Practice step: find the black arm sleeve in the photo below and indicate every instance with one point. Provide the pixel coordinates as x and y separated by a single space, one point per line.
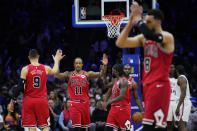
148 33
18 89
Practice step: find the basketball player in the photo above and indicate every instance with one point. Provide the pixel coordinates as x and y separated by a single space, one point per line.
173 98
183 103
78 88
127 70
120 112
35 111
158 51
132 83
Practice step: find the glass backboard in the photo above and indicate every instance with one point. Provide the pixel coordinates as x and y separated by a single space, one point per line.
88 13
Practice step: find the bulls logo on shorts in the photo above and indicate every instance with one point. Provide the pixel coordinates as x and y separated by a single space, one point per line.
128 125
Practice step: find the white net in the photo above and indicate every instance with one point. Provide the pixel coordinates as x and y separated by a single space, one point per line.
113 23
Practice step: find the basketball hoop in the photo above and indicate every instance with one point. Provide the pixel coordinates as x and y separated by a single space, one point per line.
113 23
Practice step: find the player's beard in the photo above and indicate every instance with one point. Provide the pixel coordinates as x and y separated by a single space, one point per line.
127 75
78 69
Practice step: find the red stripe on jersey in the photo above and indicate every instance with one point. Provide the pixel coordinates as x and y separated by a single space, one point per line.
182 111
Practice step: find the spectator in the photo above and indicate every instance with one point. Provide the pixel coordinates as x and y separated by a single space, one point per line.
18 109
57 100
98 94
99 116
27 24
4 98
54 115
92 105
192 123
1 122
52 96
193 87
64 118
11 121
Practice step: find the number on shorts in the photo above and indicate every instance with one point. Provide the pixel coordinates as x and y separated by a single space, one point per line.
36 82
147 61
78 90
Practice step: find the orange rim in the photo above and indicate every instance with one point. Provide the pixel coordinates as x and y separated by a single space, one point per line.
114 19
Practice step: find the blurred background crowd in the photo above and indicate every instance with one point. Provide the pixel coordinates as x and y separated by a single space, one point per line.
47 25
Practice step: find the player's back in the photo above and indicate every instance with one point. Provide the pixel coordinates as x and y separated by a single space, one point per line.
36 81
78 87
156 62
116 92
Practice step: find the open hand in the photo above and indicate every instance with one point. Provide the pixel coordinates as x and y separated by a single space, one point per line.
136 12
66 128
58 56
105 59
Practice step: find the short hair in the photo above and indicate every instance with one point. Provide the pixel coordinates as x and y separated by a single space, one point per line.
78 58
119 68
180 69
33 53
158 14
127 65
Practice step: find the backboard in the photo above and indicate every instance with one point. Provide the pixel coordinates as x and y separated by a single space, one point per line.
88 13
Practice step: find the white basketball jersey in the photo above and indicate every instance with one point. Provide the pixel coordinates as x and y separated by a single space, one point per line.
173 84
178 89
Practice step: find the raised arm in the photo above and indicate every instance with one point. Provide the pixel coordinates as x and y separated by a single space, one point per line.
124 41
168 42
135 95
106 85
108 94
55 69
164 38
110 84
62 76
24 72
92 74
